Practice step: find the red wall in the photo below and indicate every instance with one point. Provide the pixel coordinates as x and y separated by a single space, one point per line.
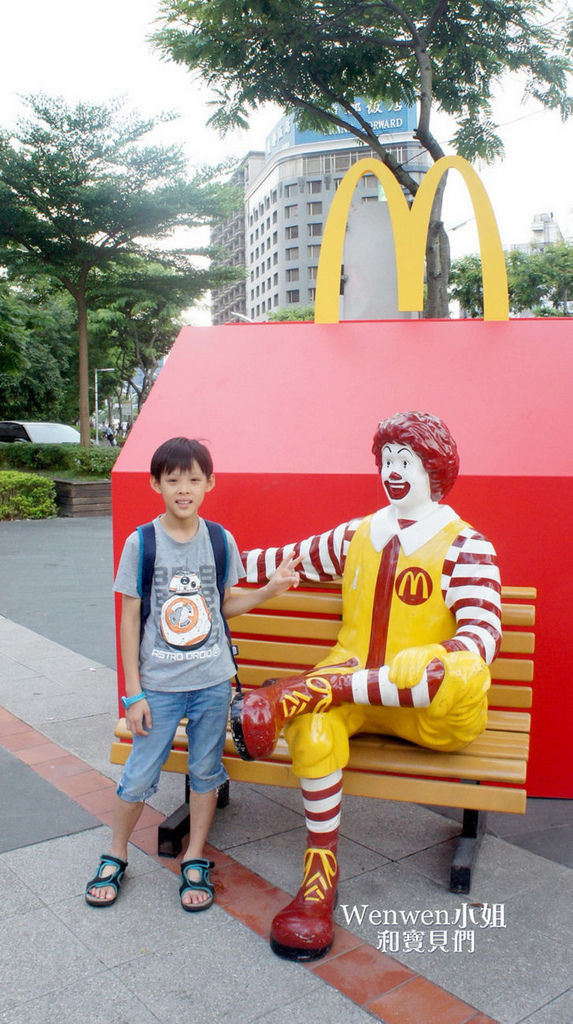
289 412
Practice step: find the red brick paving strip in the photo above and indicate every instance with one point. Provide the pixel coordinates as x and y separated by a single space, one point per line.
370 978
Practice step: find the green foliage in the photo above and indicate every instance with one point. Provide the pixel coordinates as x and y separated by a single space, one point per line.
310 57
26 496
81 189
540 282
70 459
298 313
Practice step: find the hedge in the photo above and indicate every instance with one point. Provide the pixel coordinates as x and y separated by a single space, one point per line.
26 496
64 458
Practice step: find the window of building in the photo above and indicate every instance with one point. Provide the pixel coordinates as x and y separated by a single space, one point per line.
313 164
292 253
312 272
275 258
275 215
291 231
275 300
275 279
292 274
315 230
341 161
312 294
314 186
313 252
291 189
291 211
314 209
275 237
369 181
293 295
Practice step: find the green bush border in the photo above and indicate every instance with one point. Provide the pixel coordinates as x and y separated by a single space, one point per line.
26 496
68 459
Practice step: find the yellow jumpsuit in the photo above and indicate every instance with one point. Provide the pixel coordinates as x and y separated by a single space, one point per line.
392 601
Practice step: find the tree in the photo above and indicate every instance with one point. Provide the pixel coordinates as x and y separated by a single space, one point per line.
316 57
137 313
540 282
36 333
80 190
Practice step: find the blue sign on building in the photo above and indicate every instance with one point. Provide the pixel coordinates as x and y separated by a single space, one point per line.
383 120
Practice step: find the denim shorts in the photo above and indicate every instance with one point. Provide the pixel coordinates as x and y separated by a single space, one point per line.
206 711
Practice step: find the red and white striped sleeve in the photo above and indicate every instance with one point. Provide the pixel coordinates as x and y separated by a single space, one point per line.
471 588
323 556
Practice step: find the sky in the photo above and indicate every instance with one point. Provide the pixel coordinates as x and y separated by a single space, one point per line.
96 52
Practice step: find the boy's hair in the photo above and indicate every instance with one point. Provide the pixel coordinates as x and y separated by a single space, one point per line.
180 453
430 439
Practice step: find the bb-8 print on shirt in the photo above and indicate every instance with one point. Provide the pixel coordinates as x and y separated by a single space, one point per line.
185 619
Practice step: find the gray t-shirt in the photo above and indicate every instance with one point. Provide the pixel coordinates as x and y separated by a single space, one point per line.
184 645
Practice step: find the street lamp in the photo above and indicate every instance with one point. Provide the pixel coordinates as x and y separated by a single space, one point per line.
100 369
241 316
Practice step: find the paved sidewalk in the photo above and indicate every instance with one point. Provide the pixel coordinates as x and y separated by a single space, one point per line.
504 955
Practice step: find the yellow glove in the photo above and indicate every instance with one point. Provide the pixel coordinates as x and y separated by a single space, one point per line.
407 667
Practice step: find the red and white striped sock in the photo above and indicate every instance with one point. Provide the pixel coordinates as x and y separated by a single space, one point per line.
372 686
322 799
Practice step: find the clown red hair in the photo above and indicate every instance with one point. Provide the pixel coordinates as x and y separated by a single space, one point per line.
430 439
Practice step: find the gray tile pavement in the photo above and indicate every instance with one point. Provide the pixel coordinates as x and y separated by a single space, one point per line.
121 965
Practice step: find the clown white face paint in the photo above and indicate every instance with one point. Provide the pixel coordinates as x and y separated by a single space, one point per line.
405 481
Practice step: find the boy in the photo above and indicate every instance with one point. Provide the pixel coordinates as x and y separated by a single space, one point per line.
180 667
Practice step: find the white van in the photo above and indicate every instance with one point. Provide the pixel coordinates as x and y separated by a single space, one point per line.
38 433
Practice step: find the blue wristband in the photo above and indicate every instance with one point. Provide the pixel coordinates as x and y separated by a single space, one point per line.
128 701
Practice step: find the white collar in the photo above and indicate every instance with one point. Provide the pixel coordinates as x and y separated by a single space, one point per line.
384 525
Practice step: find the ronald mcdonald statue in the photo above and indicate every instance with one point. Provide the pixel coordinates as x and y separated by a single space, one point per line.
420 624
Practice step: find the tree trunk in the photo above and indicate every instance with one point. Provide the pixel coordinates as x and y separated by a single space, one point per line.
437 261
83 366
437 271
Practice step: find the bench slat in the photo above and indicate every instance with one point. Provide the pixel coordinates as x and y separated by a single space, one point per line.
297 627
501 696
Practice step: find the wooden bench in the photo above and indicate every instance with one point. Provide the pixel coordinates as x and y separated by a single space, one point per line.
291 633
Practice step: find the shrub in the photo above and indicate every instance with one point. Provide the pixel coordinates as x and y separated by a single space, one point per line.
63 458
26 496
92 461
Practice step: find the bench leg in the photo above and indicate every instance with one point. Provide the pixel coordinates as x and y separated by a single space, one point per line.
464 858
172 832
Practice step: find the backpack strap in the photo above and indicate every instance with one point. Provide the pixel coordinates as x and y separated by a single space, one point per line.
220 545
145 569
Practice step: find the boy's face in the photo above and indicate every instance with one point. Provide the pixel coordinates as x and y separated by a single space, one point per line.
405 479
183 491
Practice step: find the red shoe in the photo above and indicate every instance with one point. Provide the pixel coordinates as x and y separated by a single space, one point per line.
257 719
304 930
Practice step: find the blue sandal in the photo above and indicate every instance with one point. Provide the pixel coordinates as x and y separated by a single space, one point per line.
202 884
100 881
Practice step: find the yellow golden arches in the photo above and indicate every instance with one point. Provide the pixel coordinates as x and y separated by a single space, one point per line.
410 228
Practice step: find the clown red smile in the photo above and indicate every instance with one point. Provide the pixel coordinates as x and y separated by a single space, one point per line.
405 479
